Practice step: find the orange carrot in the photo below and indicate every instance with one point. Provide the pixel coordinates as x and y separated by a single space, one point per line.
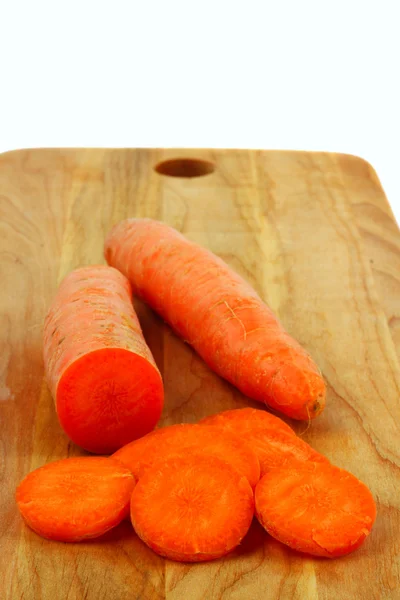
192 510
279 448
315 508
274 442
271 439
107 388
167 442
75 498
219 314
243 421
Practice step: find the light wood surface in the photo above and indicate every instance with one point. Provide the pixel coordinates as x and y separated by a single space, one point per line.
314 234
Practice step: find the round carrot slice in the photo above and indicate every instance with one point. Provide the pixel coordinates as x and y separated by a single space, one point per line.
192 509
315 508
242 421
279 449
75 498
272 440
184 439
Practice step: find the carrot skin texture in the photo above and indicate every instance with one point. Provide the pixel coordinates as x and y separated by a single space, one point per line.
102 375
316 508
219 314
167 442
74 499
192 509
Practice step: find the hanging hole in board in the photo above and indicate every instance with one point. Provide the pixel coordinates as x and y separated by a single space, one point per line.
185 167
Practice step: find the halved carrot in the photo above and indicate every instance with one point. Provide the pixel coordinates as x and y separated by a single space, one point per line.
189 439
192 509
315 508
242 421
107 388
219 314
75 498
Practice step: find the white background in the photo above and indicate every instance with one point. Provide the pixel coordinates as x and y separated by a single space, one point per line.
315 75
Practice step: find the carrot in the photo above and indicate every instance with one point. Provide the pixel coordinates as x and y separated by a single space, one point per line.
107 388
274 443
192 510
243 421
167 442
219 314
278 449
75 498
315 508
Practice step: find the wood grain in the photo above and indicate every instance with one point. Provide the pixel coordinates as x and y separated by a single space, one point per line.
315 235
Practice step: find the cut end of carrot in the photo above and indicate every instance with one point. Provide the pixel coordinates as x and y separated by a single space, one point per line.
74 499
192 510
109 397
315 508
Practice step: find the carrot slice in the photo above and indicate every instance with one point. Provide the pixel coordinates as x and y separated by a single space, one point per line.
166 442
243 421
192 509
272 440
279 448
107 388
315 508
75 498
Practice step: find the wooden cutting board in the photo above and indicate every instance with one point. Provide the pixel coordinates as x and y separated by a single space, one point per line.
314 234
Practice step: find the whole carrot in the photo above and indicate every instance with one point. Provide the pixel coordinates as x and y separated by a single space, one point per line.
107 388
219 314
